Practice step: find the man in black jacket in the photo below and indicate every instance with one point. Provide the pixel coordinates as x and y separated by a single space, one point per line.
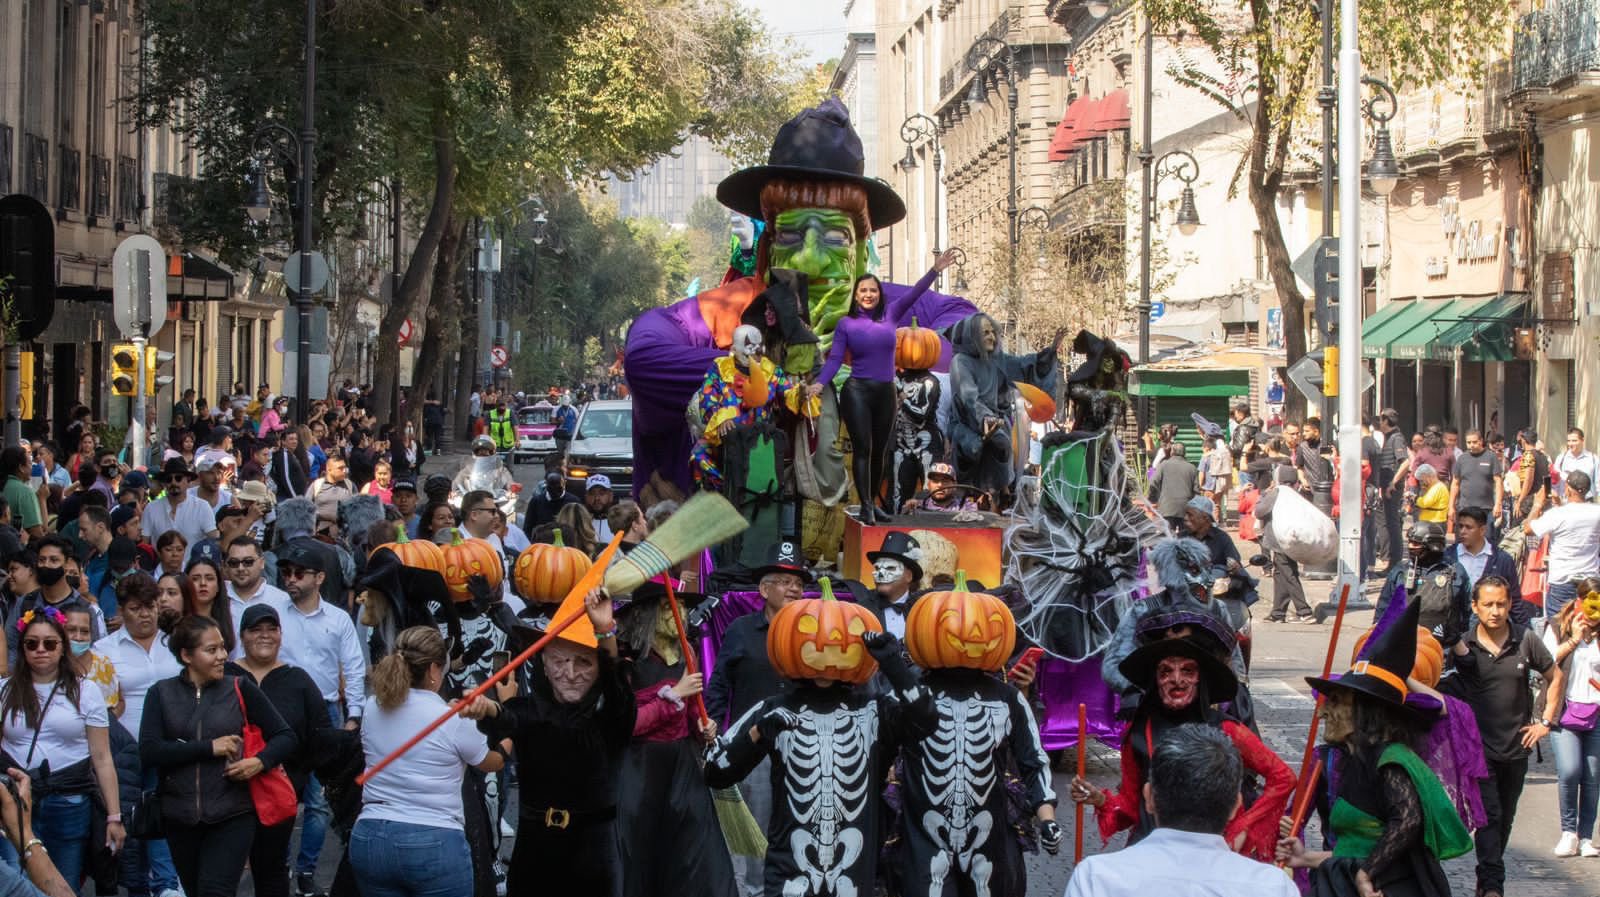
1478 557
289 478
547 502
896 571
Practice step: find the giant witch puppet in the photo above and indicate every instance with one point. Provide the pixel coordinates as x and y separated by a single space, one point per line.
817 209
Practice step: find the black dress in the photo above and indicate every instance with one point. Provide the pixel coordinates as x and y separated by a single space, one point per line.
569 755
665 818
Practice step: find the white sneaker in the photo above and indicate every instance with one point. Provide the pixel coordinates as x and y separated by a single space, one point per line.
1587 849
1568 845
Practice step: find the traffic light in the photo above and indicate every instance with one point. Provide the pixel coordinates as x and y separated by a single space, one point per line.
26 409
154 359
124 369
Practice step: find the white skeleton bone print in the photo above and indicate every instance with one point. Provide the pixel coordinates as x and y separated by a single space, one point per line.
959 776
828 772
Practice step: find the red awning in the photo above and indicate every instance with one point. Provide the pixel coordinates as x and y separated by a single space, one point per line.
1114 114
1086 119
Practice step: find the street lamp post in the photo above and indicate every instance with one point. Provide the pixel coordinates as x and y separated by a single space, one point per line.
919 128
985 55
274 141
959 257
1036 218
1176 163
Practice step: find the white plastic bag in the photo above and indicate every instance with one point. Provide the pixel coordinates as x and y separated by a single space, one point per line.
1300 531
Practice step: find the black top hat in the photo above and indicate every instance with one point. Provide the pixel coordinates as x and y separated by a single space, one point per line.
175 467
1095 348
784 557
818 144
1381 675
902 548
1140 666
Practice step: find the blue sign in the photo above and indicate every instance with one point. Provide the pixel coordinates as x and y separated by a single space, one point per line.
1157 309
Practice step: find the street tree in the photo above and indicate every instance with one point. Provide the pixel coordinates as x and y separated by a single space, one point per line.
1263 66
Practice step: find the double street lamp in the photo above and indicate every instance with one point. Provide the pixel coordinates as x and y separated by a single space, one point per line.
915 130
1037 218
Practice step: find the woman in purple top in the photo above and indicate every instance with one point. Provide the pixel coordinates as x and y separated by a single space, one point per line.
866 403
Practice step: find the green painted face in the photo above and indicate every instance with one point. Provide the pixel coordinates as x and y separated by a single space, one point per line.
823 245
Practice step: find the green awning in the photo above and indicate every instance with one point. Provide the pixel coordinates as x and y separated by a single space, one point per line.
1426 341
1223 384
1378 331
1493 333
1435 330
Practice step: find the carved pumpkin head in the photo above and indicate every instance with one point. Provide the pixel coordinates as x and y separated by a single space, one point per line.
959 628
1430 656
418 553
547 572
916 348
470 557
820 638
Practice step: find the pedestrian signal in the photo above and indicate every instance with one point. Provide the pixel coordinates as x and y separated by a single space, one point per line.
124 369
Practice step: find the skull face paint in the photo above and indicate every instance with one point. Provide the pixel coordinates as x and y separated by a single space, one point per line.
1177 681
886 571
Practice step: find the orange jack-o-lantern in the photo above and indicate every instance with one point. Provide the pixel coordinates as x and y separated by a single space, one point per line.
547 572
820 638
1041 407
470 557
916 348
1429 664
415 552
960 629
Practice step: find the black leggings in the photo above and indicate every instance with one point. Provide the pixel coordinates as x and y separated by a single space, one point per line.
269 860
210 858
867 409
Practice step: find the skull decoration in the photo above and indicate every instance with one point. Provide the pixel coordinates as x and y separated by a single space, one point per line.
959 628
747 344
887 570
820 638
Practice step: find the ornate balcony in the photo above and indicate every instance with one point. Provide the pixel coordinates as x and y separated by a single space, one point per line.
1556 52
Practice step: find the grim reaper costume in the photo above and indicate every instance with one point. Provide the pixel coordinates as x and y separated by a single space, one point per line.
958 837
984 401
830 748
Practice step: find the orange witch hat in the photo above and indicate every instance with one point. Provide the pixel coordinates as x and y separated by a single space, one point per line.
581 632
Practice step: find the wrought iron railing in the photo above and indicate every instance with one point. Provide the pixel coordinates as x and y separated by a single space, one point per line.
99 186
1556 43
127 189
998 31
36 167
68 188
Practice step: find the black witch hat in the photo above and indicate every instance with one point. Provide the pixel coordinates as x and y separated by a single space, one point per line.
1388 658
1095 348
1140 666
819 144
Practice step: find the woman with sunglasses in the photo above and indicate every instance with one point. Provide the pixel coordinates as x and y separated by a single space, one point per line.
57 728
192 734
206 579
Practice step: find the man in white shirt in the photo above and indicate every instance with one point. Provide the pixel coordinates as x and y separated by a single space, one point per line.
210 489
320 639
1574 531
176 510
1192 793
1577 459
247 583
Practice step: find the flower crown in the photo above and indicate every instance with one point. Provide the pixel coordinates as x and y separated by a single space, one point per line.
48 613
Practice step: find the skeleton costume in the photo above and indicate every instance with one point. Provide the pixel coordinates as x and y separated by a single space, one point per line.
830 749
918 441
958 839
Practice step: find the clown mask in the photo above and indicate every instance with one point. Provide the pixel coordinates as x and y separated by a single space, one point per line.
747 345
1177 681
887 571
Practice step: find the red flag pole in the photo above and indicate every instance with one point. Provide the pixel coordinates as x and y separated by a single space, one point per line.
589 581
690 667
1310 770
1083 743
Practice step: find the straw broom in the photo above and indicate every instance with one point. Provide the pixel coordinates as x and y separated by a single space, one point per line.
738 824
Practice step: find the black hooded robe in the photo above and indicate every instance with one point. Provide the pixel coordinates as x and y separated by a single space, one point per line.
982 388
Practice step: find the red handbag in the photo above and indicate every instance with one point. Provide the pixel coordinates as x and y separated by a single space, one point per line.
270 789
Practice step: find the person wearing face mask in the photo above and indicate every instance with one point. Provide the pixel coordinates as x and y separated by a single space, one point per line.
573 726
50 572
1433 581
109 473
1180 677
896 571
93 667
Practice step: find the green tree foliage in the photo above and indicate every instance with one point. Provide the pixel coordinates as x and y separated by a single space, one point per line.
1262 62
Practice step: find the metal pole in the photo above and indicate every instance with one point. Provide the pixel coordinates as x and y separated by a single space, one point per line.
1327 98
938 166
394 280
137 440
14 393
1350 299
1146 210
1013 300
308 147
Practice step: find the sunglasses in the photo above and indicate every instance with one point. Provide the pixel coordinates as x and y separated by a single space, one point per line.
41 644
241 563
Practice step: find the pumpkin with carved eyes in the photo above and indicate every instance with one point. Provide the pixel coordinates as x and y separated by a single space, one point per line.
960 629
470 557
820 638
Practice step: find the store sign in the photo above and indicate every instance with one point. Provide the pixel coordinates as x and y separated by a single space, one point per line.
1436 266
1468 241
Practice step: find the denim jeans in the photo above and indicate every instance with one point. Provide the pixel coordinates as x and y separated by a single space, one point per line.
147 867
61 821
401 859
1558 595
1577 778
315 814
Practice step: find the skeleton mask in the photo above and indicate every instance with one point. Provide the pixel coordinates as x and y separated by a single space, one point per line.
887 570
744 230
746 343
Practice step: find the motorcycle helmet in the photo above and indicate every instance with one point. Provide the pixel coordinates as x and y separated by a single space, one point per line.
482 442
